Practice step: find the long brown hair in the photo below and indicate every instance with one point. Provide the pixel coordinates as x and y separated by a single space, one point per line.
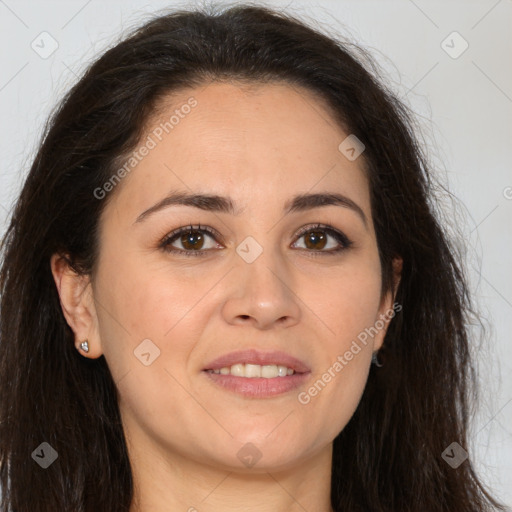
389 457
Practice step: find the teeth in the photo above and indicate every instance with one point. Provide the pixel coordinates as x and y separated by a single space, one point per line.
252 370
255 370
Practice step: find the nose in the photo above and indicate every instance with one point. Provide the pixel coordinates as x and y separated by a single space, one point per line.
262 293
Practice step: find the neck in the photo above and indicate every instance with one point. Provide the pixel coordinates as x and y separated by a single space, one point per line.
172 482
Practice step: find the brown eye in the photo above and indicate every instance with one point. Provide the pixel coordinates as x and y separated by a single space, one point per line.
315 240
192 240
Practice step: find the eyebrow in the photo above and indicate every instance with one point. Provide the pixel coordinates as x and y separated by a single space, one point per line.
216 203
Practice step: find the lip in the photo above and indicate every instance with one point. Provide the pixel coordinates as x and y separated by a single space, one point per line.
253 356
257 387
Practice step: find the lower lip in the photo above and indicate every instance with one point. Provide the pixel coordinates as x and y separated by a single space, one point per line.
258 387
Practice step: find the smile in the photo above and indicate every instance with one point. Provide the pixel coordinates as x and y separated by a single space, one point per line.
252 371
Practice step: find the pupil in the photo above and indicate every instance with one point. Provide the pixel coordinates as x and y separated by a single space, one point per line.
315 237
314 240
189 239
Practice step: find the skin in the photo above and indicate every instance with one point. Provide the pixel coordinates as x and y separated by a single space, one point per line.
260 145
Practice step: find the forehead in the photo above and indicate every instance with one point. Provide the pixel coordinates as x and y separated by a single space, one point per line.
260 142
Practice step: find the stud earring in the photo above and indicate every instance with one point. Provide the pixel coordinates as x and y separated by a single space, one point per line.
84 346
376 361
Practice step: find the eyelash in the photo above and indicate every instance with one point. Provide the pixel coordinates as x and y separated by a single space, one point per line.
338 236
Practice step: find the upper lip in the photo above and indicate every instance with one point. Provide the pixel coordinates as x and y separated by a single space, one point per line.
253 356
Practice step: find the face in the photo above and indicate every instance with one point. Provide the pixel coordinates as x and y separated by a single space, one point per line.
280 279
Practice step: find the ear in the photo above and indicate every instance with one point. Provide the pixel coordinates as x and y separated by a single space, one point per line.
387 309
77 302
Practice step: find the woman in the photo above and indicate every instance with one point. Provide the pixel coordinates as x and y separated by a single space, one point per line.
228 220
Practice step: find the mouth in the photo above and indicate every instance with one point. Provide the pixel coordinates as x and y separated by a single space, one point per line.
256 374
256 363
253 371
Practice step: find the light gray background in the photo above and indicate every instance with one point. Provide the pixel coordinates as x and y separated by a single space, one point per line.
463 104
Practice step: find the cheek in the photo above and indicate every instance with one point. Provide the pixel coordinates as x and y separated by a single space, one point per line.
149 311
141 301
349 307
146 300
346 302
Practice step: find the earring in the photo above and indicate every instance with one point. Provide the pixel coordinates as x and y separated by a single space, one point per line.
375 360
84 346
